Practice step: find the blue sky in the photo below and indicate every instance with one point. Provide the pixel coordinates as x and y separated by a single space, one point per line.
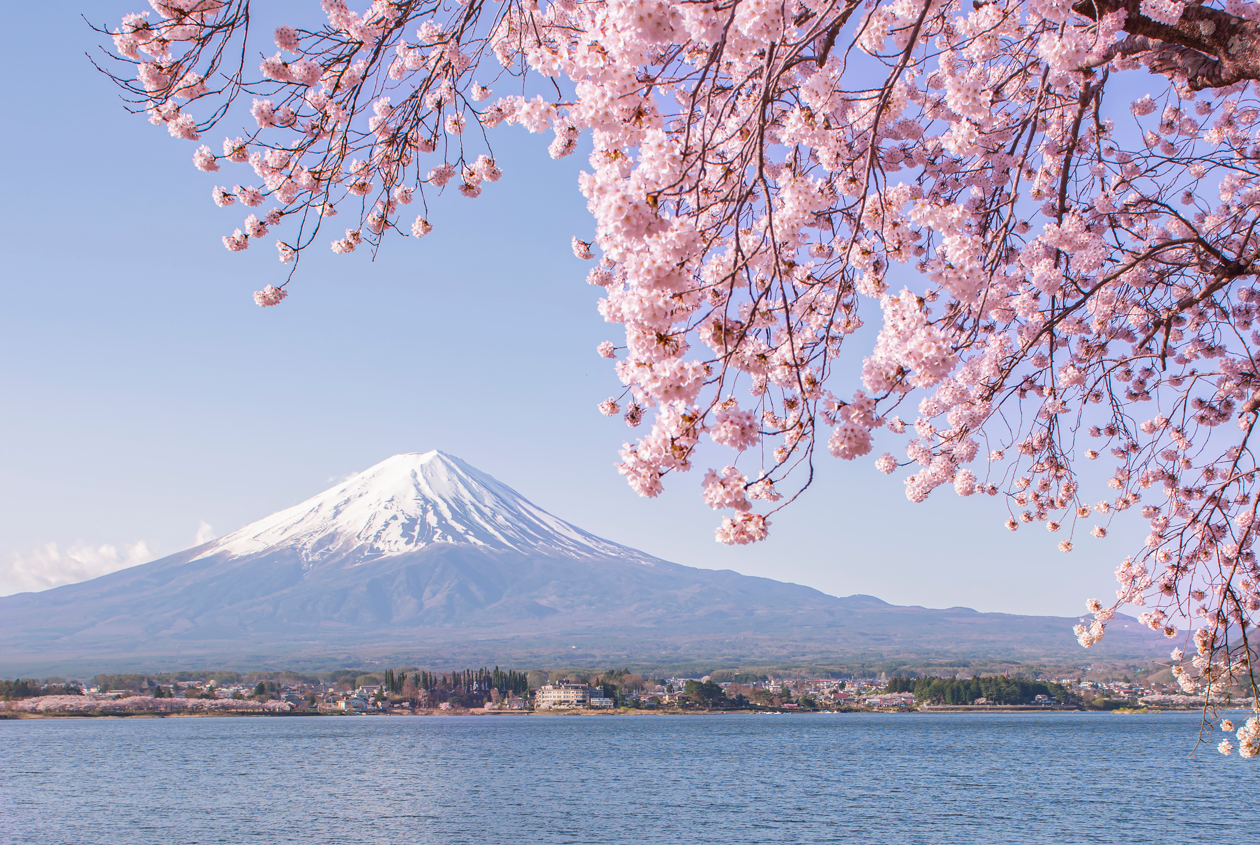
147 396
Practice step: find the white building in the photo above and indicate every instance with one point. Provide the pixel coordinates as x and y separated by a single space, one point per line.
561 696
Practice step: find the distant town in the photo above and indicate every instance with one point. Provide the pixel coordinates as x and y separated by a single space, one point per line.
494 691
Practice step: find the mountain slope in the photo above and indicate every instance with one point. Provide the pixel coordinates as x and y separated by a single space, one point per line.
410 502
423 558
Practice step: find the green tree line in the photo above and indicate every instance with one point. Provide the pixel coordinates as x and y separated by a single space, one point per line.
470 681
997 689
31 688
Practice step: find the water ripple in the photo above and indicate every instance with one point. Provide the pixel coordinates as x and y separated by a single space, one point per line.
999 778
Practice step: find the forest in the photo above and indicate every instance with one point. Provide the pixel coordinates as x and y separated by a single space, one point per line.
993 689
30 688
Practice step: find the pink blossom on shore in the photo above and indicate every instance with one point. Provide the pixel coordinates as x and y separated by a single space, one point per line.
138 704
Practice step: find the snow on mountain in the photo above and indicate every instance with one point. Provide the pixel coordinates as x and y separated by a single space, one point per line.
411 501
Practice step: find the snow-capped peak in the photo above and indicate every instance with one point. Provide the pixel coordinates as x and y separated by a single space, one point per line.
411 501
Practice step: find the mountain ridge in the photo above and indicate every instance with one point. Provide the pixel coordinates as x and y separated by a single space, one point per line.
423 557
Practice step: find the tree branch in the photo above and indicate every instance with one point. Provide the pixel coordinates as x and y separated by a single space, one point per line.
1210 48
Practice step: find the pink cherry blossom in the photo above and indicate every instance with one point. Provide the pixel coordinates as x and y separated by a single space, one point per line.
254 227
739 429
742 529
222 197
726 490
442 174
250 196
270 295
485 168
204 159
236 241
286 38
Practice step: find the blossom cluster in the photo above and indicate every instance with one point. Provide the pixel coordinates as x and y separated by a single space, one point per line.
86 705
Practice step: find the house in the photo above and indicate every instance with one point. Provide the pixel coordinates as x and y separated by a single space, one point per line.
563 696
354 704
600 701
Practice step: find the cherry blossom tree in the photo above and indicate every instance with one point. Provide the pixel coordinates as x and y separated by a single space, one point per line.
1047 208
104 706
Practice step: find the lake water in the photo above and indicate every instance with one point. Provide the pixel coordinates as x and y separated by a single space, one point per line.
494 780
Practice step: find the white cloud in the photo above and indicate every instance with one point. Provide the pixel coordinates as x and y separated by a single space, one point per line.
205 533
48 566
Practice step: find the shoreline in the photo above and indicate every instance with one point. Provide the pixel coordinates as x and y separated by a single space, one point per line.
926 711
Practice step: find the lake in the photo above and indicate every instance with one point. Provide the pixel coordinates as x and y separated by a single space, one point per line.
492 780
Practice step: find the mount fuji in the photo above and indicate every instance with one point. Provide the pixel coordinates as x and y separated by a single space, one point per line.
424 559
